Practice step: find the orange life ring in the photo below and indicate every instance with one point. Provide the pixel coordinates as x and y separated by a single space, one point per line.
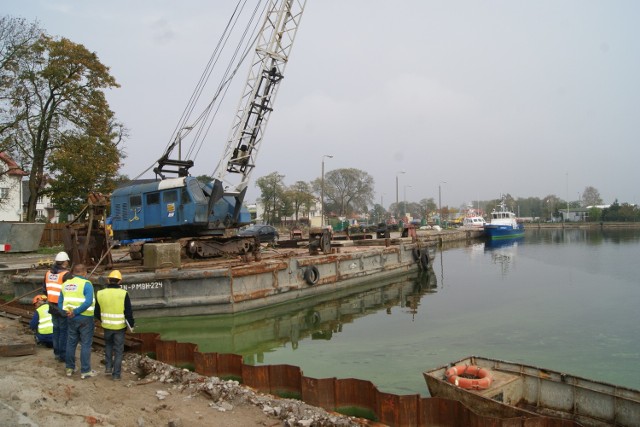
482 380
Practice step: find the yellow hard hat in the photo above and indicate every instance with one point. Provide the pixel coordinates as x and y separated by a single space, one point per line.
115 274
39 298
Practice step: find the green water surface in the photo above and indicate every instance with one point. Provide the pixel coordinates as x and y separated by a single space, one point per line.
566 300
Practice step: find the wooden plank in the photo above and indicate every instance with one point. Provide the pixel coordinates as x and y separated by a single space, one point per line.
16 349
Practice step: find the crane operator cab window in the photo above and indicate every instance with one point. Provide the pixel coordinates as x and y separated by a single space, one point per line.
184 196
196 191
135 206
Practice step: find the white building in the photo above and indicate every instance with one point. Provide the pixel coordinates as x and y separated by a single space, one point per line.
14 195
45 210
258 208
11 200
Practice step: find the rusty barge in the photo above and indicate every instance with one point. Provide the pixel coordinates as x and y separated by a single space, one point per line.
166 285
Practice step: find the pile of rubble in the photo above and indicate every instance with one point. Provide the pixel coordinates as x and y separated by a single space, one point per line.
225 395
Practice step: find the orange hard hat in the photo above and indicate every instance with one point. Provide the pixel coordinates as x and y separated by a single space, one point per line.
39 298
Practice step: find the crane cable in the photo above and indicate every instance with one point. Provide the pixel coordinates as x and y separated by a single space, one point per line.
213 60
222 88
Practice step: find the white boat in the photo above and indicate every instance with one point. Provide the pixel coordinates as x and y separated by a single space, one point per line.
475 221
504 389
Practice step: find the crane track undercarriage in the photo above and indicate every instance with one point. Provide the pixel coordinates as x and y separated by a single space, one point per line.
210 247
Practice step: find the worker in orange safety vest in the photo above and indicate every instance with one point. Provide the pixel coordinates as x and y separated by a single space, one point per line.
53 280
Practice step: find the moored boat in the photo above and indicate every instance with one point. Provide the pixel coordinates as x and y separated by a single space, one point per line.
509 389
503 224
474 221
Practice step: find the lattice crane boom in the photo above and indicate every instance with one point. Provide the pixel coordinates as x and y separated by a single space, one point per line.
274 43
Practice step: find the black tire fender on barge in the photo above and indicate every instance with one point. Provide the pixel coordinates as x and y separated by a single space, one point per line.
311 275
416 254
424 260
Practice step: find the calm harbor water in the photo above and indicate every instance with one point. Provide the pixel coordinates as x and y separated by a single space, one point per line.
566 300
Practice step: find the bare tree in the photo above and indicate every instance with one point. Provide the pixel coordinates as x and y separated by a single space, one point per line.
272 190
591 197
347 190
301 197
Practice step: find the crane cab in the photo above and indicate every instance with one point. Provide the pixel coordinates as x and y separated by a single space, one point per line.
171 208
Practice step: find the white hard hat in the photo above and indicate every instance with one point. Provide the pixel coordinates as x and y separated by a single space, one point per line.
61 256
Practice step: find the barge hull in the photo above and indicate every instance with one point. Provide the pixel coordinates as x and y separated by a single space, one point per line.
237 287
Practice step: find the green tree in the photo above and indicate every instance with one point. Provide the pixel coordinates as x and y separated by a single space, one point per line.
58 101
621 212
595 214
203 179
272 191
550 206
80 165
346 190
378 213
529 207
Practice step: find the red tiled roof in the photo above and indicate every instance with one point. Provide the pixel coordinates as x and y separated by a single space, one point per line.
12 166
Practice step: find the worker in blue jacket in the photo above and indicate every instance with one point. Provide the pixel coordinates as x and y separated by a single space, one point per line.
77 300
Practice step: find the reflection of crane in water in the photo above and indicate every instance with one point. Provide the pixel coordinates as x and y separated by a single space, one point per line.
426 283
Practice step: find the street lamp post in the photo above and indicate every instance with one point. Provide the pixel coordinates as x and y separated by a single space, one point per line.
322 191
440 201
382 207
397 174
404 202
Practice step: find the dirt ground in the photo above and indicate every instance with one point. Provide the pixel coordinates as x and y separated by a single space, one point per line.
34 391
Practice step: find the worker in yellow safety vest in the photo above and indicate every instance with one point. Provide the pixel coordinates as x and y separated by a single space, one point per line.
41 321
113 308
77 300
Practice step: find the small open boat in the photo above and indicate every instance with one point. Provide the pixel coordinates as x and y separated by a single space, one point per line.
505 389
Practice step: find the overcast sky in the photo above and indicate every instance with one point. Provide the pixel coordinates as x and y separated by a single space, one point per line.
529 98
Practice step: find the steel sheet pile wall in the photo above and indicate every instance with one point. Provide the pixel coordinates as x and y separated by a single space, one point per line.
331 393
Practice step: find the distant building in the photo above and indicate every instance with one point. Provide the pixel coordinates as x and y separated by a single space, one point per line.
575 214
45 210
257 214
10 189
